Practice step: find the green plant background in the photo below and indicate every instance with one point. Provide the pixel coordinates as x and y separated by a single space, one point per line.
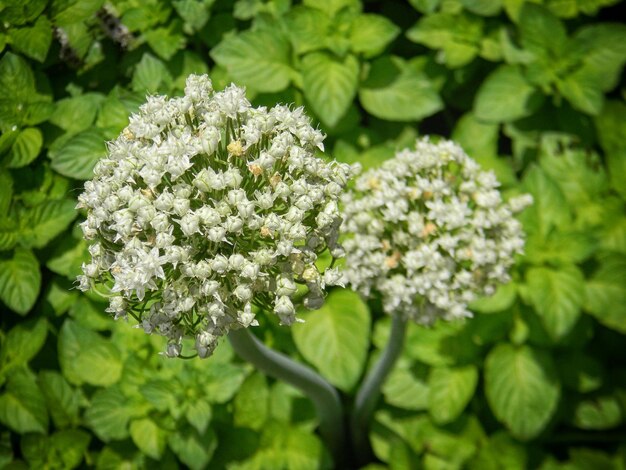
534 91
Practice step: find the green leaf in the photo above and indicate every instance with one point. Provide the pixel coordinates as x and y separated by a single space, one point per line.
64 449
307 28
478 139
579 173
26 147
193 449
199 414
67 257
387 428
456 36
522 388
19 101
16 76
166 41
258 59
221 381
330 84
505 95
483 7
77 113
567 247
397 92
542 33
332 7
40 224
583 93
20 281
148 437
444 344
557 296
598 413
61 399
449 391
34 41
605 297
19 13
22 343
600 52
86 357
441 447
114 114
252 403
109 414
78 155
90 314
335 338
160 393
9 233
194 13
500 451
574 8
285 447
6 195
610 126
64 12
60 296
151 75
370 34
425 6
549 209
501 300
602 49
404 390
22 405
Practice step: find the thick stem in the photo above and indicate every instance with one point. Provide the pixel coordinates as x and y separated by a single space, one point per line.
319 391
368 393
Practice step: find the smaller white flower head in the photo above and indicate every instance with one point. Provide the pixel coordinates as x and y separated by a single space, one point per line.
428 231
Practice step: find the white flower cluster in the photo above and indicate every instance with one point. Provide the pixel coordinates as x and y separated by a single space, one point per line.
428 232
206 206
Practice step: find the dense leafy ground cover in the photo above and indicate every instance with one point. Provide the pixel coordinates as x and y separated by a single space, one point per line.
533 91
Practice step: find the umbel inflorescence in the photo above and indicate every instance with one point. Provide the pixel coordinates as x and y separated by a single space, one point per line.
206 207
428 231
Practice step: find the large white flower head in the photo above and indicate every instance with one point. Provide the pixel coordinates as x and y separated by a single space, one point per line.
428 231
206 207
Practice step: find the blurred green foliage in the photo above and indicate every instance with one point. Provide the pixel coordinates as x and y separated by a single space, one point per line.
534 91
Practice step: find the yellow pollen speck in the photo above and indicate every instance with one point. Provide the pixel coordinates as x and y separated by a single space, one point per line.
414 194
385 245
128 134
393 260
266 232
275 179
256 170
373 183
235 148
428 229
